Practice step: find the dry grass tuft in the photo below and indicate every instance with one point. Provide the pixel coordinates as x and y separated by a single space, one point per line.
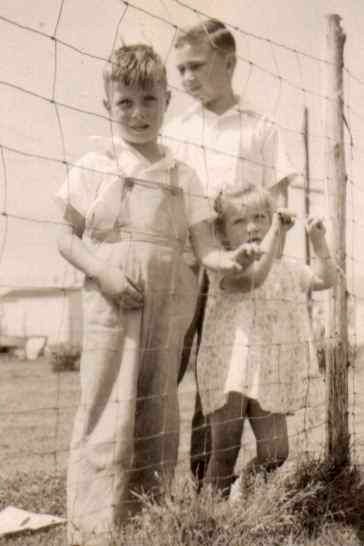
313 504
322 493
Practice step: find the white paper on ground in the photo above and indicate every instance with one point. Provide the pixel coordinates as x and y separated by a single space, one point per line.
15 520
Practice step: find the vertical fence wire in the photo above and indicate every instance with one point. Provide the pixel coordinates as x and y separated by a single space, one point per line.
308 429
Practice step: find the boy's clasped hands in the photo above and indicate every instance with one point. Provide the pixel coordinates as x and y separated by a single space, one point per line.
116 285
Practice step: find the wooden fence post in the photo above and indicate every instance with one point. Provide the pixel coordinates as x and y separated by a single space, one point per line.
306 196
307 180
338 445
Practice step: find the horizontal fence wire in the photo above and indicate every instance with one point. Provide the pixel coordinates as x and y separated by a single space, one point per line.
41 396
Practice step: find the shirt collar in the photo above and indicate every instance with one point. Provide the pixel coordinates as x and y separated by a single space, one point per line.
131 158
197 110
167 161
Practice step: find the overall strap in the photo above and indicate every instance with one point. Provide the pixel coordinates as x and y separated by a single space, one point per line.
173 176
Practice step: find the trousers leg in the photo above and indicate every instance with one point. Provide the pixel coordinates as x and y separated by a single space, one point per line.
201 432
157 411
102 442
155 447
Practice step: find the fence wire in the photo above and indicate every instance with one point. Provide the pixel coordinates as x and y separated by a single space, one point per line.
45 125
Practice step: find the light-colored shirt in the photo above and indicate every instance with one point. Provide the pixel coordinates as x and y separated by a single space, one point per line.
229 150
91 175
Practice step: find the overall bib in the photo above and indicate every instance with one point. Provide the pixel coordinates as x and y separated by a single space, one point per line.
126 429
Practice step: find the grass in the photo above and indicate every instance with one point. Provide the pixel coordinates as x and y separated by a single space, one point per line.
312 504
64 357
36 492
37 409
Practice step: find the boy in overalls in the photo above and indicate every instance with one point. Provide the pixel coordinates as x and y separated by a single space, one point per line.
128 210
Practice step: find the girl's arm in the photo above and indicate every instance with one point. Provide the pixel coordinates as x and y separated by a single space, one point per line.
324 268
110 279
241 267
256 273
212 255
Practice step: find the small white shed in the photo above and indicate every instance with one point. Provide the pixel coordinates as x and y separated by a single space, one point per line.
51 313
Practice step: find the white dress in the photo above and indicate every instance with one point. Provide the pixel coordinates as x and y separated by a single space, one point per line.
259 343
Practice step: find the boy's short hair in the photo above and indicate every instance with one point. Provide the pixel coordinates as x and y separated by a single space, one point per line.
135 65
212 31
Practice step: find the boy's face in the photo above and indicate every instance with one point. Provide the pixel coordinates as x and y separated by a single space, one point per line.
138 113
205 73
246 224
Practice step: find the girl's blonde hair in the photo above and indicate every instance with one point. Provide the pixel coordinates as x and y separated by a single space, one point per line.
247 196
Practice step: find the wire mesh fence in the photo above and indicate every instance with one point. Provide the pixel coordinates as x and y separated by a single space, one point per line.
51 103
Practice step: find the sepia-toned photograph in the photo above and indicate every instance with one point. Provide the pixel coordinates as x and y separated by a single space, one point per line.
181 273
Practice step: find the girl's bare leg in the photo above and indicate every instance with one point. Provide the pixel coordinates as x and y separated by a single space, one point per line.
271 434
226 431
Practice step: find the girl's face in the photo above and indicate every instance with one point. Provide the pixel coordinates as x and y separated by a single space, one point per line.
246 224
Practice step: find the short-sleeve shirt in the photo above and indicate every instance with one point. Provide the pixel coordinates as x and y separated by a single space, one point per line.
229 150
94 171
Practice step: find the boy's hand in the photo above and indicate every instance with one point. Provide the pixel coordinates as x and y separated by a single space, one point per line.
115 284
285 218
315 228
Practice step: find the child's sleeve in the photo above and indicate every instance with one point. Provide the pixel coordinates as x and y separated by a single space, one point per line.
77 191
306 276
198 207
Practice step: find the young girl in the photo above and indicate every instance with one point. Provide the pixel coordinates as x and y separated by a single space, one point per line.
256 353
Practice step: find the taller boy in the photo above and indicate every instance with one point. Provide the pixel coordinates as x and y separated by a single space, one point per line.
228 146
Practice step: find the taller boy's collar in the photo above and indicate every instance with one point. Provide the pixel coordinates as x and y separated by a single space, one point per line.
199 110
